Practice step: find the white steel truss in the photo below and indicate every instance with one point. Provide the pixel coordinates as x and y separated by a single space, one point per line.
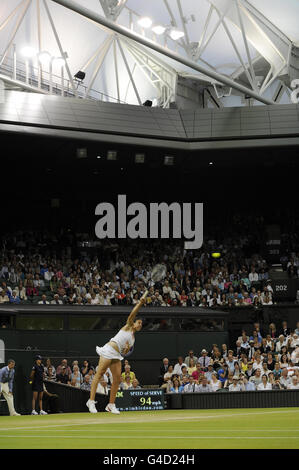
265 55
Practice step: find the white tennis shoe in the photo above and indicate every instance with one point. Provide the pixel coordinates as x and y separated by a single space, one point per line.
112 409
34 412
42 412
91 406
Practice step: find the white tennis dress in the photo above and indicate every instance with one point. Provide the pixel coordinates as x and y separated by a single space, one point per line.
121 339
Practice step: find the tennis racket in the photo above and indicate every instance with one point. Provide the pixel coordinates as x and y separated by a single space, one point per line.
158 273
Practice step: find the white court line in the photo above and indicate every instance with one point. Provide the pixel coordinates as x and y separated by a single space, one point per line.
153 437
150 419
186 432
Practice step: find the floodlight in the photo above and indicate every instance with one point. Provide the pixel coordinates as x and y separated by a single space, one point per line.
44 57
159 29
112 155
176 34
168 160
59 61
145 22
139 158
81 153
28 52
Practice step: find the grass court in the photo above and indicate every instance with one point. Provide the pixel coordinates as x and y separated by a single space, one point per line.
169 429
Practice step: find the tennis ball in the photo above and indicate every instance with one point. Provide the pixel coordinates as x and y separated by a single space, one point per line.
216 255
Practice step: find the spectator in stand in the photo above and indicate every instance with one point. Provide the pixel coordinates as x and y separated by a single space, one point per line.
163 370
204 387
204 359
197 373
56 300
190 356
176 386
215 383
127 383
128 371
102 387
62 376
264 385
85 368
48 365
248 385
230 361
76 377
86 385
21 291
191 386
167 377
285 330
37 282
272 331
65 365
224 351
14 298
284 361
294 385
4 297
135 385
229 380
50 374
277 370
256 378
235 386
285 380
249 371
192 367
44 300
184 373
280 343
31 291
178 366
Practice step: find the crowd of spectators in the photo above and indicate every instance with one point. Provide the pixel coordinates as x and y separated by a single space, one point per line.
40 268
82 377
261 360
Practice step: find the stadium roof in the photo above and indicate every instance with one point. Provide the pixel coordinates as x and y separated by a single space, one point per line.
189 53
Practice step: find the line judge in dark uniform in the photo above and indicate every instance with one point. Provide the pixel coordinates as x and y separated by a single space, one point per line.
37 381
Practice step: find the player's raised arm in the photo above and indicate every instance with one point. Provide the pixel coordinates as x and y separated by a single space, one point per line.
134 312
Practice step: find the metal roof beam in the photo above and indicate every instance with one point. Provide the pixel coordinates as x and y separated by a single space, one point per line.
71 5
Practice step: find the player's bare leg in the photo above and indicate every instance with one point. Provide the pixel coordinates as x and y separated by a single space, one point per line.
115 368
102 367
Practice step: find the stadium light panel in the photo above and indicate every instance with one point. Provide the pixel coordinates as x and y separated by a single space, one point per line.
159 29
145 22
28 52
176 34
139 158
112 155
168 160
44 57
81 153
59 61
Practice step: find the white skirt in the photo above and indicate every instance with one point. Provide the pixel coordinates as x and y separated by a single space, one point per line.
108 352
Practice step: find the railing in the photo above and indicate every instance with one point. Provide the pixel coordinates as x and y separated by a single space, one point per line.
51 83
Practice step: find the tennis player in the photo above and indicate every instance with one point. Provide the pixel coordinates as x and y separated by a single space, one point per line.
111 356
